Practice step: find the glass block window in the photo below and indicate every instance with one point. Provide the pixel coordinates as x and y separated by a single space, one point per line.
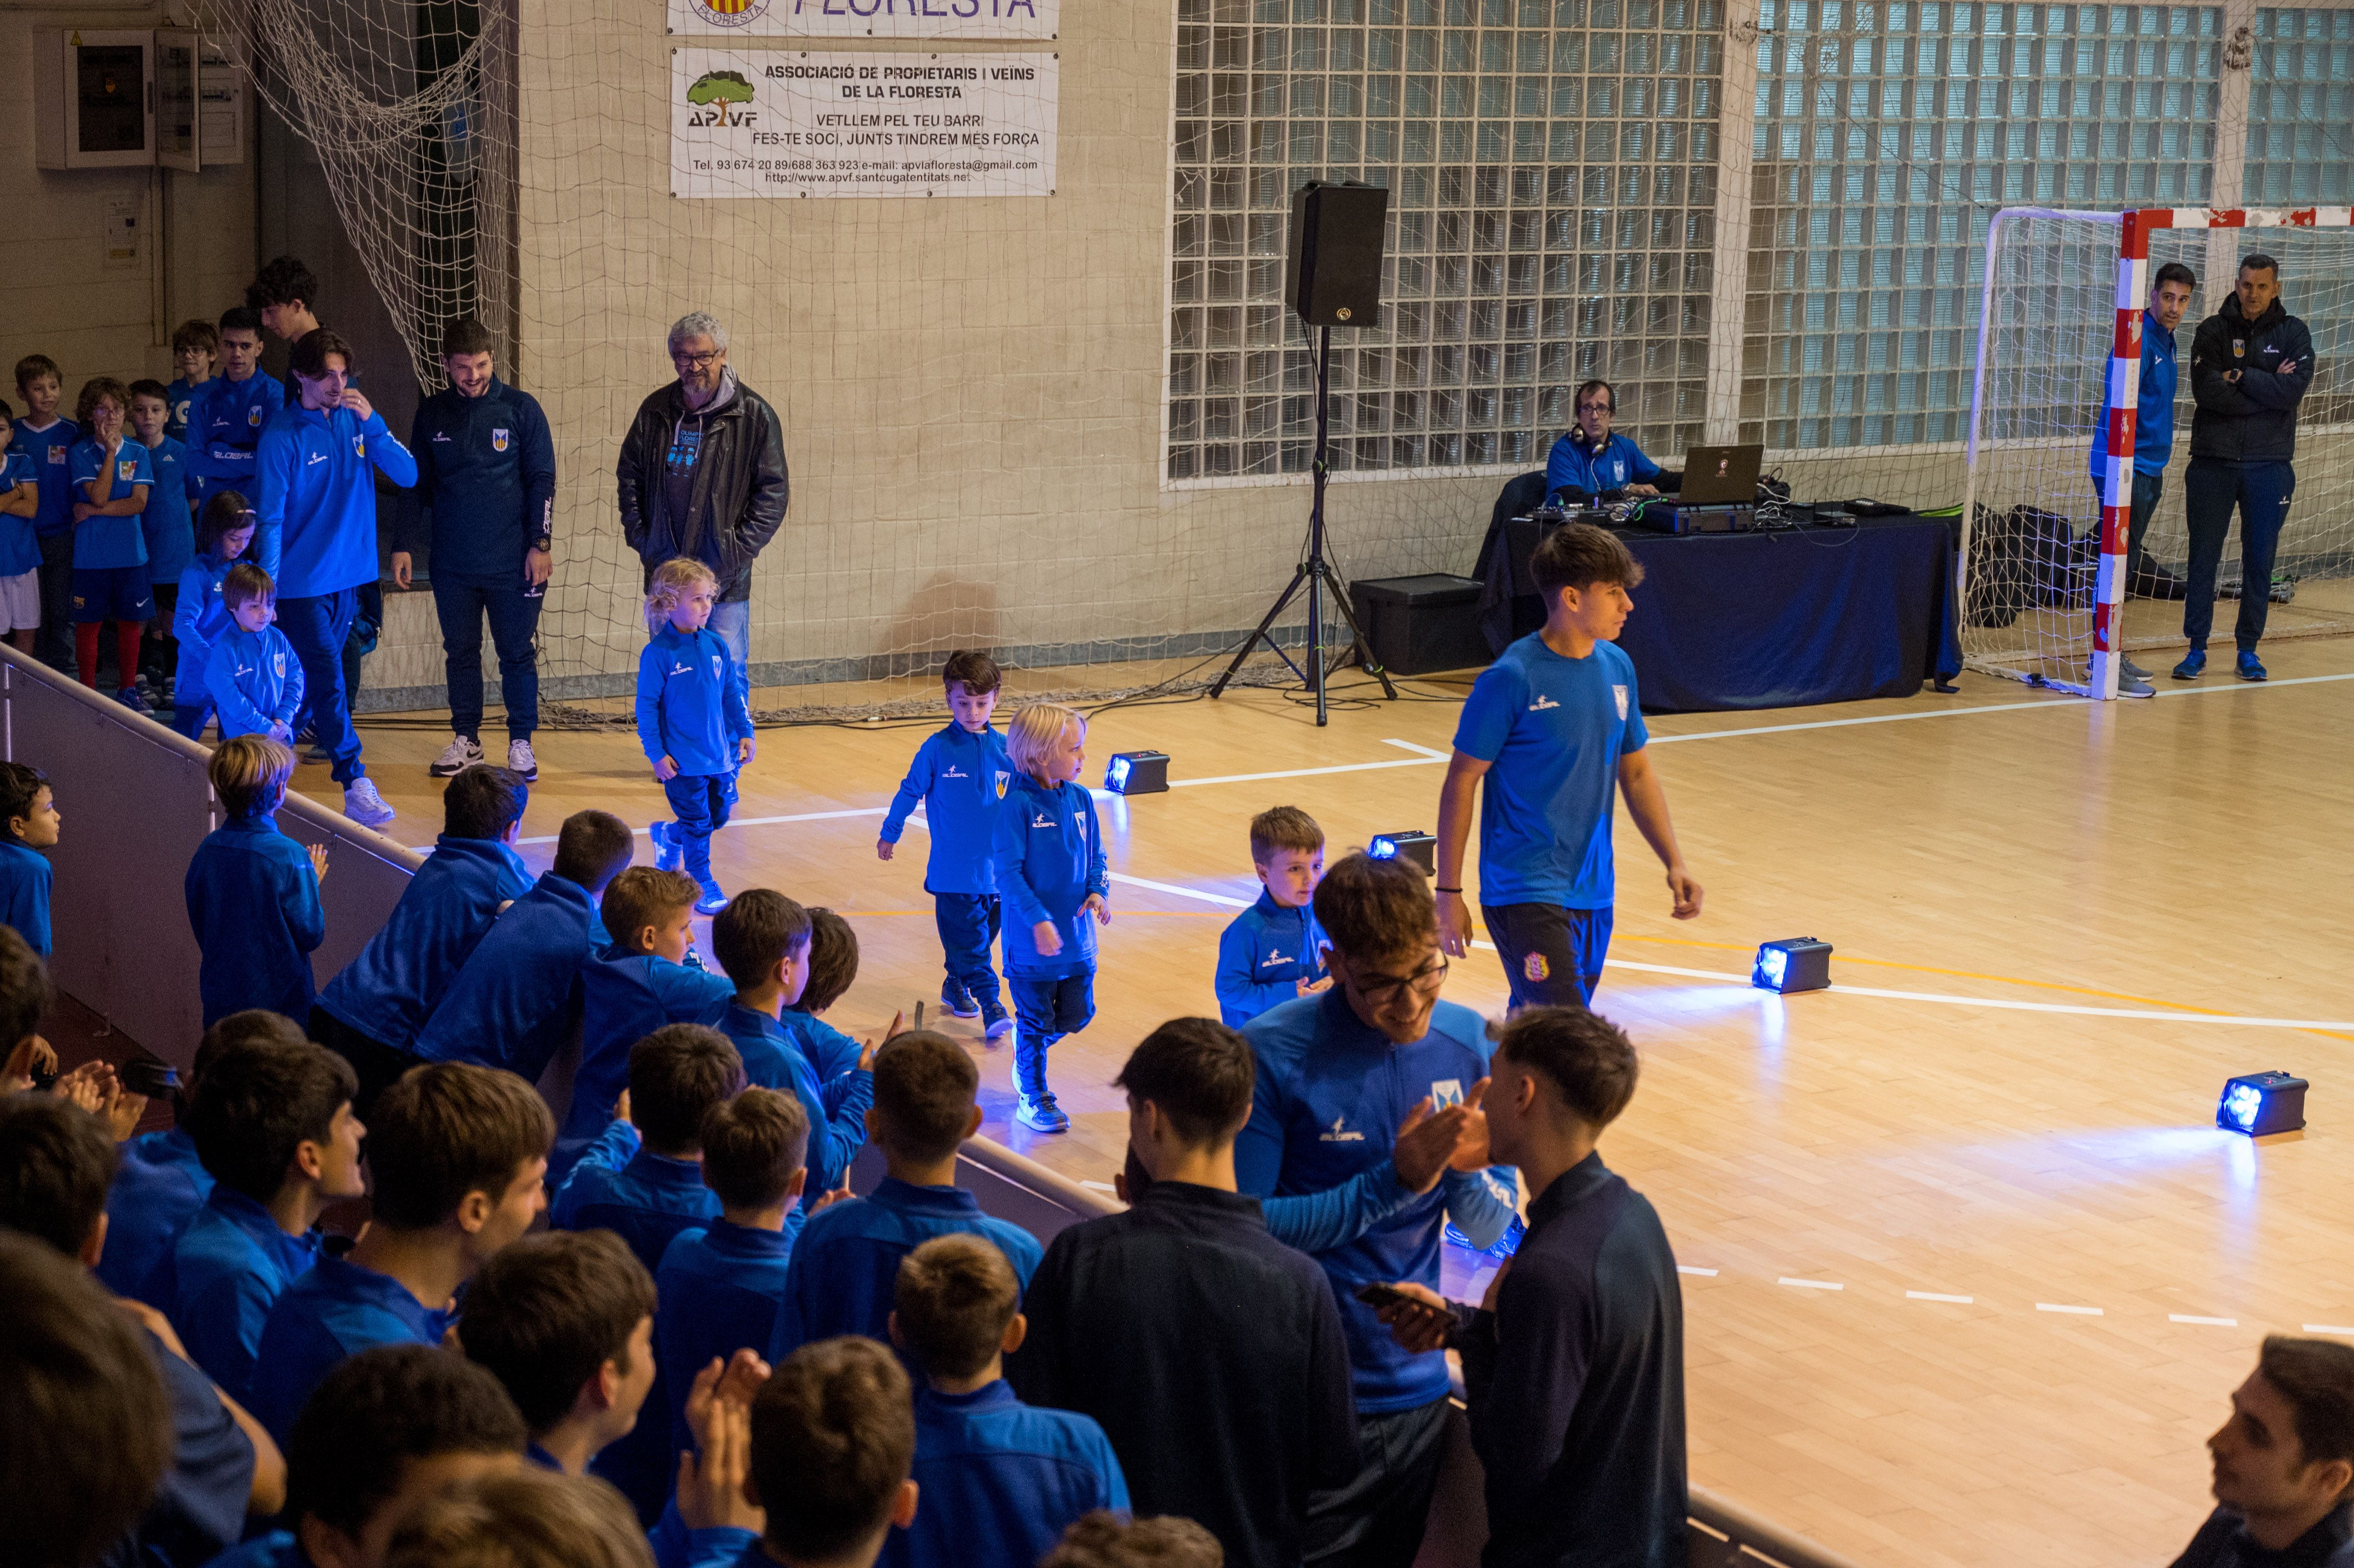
1552 170
2301 110
1887 135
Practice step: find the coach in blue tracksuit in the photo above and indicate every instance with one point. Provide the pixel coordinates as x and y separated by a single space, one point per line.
1590 462
226 423
2251 365
1337 1073
316 537
486 471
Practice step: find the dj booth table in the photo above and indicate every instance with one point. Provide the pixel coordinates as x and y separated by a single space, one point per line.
1786 617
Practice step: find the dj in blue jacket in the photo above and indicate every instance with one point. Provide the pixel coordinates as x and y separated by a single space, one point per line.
1590 462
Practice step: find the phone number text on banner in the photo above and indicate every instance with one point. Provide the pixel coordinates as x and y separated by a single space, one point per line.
792 125
918 21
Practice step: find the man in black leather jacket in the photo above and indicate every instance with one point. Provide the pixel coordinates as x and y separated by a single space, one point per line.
702 476
2250 366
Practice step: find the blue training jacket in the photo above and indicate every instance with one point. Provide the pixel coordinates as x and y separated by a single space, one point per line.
221 1279
1049 857
1005 1480
689 706
225 427
487 468
2153 411
624 997
322 1319
169 526
1263 955
158 1188
388 992
830 1053
516 998
253 902
962 778
1331 1091
1617 463
845 1268
198 619
25 877
620 1185
254 680
317 473
773 1059
718 1288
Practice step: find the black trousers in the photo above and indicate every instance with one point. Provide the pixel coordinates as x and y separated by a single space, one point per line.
1376 1521
379 1065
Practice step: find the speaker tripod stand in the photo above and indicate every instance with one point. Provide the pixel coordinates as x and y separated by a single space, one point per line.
1315 574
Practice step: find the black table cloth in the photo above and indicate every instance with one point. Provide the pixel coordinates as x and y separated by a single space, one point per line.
1781 619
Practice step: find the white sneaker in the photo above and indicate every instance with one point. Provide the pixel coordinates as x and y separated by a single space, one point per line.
520 760
460 754
362 805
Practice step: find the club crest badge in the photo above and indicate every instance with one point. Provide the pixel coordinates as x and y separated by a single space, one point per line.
1620 693
498 440
1003 779
1535 967
1445 1092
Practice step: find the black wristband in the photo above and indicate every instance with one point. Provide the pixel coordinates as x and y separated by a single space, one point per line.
1454 890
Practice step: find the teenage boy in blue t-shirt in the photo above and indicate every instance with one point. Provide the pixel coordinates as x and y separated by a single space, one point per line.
1004 1479
1554 728
961 775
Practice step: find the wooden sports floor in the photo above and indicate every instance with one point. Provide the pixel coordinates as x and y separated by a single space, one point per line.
1969 1271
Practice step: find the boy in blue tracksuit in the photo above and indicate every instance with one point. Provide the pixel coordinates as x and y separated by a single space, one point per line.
252 678
517 1001
113 477
846 1263
372 1011
762 942
719 1283
195 349
200 611
1273 952
833 969
1050 869
1004 1478
1590 462
168 524
693 721
315 474
28 825
226 418
961 776
252 892
628 990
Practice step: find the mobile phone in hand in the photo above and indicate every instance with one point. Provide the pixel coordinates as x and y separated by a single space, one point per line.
1380 1296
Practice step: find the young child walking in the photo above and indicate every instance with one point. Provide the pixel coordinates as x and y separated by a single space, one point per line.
693 721
200 614
961 776
1050 871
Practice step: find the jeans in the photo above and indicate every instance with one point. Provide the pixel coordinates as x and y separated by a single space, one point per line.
1376 1519
702 802
1553 956
2147 489
318 627
461 603
732 624
54 645
2210 490
967 923
1045 1009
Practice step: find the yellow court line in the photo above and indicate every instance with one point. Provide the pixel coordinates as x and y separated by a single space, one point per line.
1116 913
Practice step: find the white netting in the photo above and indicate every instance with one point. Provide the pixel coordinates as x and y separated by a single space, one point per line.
2033 541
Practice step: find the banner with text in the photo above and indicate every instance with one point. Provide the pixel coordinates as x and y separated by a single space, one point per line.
921 21
779 124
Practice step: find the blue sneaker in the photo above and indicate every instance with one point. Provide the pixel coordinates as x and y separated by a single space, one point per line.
957 1002
1508 1243
2193 665
996 1023
712 902
1041 1113
669 853
130 698
2250 667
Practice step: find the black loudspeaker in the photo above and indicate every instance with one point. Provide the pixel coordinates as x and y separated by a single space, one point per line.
1332 258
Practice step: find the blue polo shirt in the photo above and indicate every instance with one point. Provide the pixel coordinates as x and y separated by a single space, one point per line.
25 876
2153 411
1616 463
388 992
110 541
158 1188
221 1279
253 902
1331 1091
961 779
167 526
20 546
516 998
1264 954
845 1268
1002 1479
773 1060
1553 729
332 1313
646 1198
719 1286
624 997
49 449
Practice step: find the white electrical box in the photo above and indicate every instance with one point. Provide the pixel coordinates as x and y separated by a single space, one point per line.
200 103
93 99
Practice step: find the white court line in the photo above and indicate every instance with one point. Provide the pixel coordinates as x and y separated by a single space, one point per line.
1413 746
1809 1284
2075 1312
1936 1296
740 822
1704 1272
2210 1322
2328 1328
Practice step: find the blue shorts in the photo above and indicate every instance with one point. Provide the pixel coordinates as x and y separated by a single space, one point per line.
111 593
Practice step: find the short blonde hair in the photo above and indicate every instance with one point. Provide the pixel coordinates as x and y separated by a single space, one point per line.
248 774
1036 729
521 1519
672 581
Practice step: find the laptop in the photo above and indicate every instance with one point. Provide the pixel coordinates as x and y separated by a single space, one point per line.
1720 476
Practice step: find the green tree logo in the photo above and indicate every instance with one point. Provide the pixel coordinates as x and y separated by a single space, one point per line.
722 87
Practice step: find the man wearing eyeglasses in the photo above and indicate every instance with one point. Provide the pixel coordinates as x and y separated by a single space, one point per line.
1337 1072
702 476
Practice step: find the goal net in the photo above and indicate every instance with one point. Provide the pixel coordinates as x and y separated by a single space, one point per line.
2047 595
